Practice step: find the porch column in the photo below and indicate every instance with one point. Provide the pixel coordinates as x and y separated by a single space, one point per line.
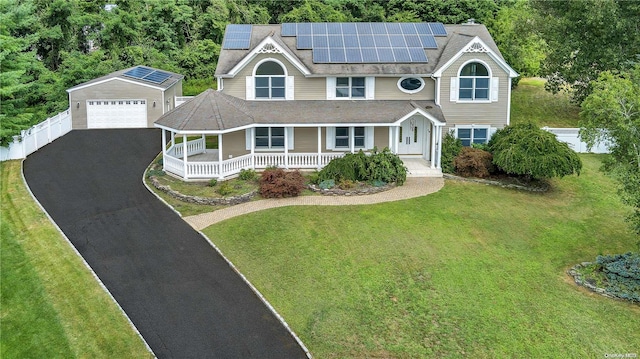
220 175
286 149
352 139
434 129
173 138
439 152
397 140
204 140
164 146
184 155
319 147
391 138
253 147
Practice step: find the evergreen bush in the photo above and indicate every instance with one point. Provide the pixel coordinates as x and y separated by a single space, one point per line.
382 166
451 147
622 272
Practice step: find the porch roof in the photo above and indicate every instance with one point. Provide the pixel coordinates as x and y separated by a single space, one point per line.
215 111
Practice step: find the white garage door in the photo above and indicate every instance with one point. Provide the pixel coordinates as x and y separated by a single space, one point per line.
116 113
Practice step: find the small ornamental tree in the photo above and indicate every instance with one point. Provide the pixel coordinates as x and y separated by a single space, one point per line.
611 114
524 149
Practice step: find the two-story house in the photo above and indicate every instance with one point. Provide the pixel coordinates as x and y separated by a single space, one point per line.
297 95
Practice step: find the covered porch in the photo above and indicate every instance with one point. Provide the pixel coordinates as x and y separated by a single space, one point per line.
260 134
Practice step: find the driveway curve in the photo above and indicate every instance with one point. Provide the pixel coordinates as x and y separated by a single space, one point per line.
182 296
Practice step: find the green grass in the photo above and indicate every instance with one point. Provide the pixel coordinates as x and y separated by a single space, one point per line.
530 102
51 305
470 271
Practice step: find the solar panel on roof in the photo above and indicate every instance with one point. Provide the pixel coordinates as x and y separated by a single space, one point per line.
438 29
237 37
289 29
157 77
138 72
358 42
147 74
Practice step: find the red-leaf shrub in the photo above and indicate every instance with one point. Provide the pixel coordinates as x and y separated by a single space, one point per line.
278 183
473 162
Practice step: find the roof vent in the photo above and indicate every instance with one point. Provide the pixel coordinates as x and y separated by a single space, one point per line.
471 21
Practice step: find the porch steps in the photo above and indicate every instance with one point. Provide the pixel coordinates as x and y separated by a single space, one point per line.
418 167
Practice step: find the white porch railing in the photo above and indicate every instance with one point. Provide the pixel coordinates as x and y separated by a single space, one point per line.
37 136
194 147
214 169
182 99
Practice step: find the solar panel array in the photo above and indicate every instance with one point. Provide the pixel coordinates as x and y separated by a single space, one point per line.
237 37
147 74
366 42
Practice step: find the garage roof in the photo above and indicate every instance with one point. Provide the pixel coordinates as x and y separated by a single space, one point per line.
120 75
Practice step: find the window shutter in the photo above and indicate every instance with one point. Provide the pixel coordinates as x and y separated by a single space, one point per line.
453 95
331 137
247 137
331 88
250 86
370 88
289 137
495 86
290 89
368 140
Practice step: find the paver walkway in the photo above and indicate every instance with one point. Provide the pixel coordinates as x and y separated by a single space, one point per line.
413 187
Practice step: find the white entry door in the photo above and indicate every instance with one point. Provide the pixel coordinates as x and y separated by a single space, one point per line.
116 114
412 136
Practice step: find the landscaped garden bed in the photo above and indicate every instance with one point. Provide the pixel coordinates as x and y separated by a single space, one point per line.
614 276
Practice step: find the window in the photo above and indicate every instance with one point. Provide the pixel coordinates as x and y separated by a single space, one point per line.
473 135
270 80
269 137
474 82
343 137
350 87
411 84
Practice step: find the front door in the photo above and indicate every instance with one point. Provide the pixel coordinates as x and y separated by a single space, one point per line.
412 136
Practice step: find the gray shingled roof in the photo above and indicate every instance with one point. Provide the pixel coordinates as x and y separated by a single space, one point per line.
216 111
457 37
120 74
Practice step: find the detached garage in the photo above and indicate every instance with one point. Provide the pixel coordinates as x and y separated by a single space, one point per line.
130 98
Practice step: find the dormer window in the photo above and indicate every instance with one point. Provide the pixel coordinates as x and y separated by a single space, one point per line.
270 81
474 82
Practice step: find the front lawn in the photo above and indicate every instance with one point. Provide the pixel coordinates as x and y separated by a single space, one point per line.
51 305
470 271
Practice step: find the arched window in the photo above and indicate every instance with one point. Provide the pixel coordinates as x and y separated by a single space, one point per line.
270 81
474 82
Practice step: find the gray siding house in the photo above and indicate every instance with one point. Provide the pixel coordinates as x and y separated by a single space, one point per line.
297 95
129 98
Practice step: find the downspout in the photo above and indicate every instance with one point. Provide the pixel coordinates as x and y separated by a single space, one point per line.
437 90
220 83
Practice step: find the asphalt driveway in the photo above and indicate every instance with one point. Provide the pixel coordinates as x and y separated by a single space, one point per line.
179 292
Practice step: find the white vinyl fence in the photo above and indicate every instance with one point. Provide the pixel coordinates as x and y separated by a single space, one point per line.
570 136
37 137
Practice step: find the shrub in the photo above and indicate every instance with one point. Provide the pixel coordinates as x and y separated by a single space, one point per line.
352 166
346 184
473 162
247 175
326 184
224 189
382 166
314 177
213 182
378 183
622 272
155 173
525 149
278 183
451 147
